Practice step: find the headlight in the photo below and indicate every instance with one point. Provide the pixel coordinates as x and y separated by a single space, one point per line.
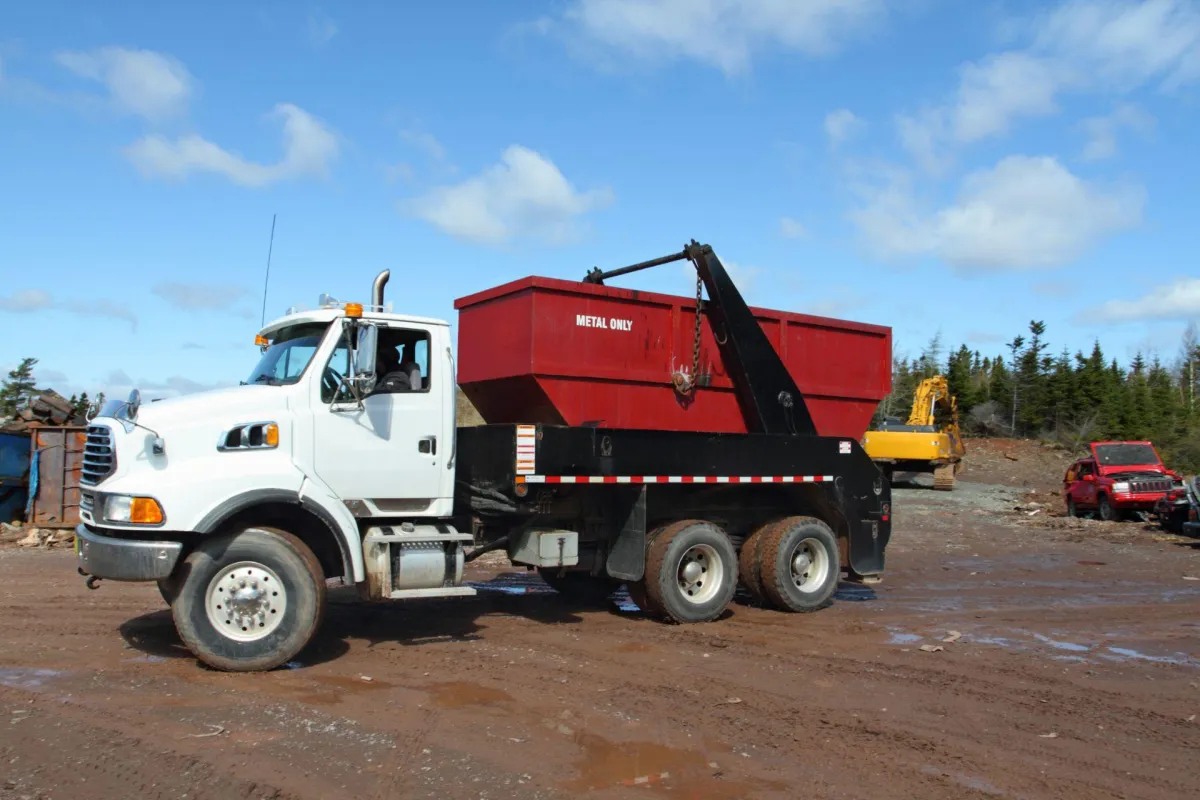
133 510
1121 487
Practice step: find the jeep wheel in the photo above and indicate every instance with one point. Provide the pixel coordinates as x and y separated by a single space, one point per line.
1105 510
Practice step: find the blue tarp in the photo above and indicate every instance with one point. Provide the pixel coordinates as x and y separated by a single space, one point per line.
14 468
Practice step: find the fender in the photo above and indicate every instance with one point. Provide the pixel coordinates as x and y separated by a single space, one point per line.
341 521
347 539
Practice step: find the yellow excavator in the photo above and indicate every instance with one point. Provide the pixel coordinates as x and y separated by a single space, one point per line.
921 444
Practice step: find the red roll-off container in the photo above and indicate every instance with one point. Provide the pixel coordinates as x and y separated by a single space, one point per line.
566 353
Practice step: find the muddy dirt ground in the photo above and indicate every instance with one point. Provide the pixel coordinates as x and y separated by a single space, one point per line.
1069 667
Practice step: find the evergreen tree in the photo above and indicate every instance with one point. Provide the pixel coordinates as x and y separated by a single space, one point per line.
18 389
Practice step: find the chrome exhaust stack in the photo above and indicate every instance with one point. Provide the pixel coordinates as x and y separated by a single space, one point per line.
377 288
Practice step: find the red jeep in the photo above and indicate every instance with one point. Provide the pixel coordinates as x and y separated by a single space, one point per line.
1119 480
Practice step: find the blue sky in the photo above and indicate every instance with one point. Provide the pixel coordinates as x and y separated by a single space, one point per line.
925 164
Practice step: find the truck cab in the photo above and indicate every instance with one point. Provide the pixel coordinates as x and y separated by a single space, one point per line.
1117 480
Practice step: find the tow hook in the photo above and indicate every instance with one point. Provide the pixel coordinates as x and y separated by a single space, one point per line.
93 582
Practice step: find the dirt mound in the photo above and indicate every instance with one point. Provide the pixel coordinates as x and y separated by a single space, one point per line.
1016 462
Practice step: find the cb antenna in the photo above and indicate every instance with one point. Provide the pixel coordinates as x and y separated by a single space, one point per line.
267 279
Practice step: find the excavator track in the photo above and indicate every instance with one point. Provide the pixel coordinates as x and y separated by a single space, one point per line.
943 477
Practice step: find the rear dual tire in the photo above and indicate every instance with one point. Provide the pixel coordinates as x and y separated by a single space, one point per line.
691 573
792 564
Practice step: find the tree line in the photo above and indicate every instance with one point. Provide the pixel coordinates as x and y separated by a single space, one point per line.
1030 391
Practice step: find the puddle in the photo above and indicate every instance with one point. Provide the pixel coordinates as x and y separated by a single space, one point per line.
1128 653
461 694
145 660
967 781
624 601
661 770
896 636
1060 645
513 583
26 677
854 593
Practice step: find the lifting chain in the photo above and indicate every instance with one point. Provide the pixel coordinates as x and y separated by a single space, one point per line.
685 383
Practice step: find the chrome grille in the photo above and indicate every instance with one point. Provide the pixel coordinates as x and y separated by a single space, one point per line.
99 458
86 501
1150 485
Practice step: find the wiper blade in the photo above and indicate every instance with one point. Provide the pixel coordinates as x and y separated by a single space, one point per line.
269 380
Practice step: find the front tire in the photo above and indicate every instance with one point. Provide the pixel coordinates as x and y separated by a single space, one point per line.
1105 510
800 564
250 601
1072 509
691 572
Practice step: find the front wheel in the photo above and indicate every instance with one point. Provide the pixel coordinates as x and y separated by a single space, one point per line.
1105 510
250 601
1072 509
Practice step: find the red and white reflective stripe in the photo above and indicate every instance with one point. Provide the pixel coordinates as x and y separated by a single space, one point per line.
526 449
580 479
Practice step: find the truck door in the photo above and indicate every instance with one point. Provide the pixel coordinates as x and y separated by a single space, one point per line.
1085 496
390 450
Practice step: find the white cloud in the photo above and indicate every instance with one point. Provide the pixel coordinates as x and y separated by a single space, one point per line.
1102 131
1025 213
842 124
425 142
837 301
321 29
723 33
200 296
523 196
1080 46
25 301
142 82
1179 300
791 229
308 149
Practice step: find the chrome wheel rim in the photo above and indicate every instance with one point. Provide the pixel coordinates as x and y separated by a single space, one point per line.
700 574
246 601
809 565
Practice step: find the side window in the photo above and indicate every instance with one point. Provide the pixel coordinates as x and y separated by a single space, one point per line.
403 361
338 367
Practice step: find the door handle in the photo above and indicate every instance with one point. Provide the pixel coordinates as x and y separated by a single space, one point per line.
428 445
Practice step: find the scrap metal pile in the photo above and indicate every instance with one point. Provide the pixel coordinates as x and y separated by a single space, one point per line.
48 408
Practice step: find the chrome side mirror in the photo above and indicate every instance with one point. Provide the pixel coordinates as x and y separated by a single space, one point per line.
366 347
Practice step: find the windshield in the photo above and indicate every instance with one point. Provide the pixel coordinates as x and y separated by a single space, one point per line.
1126 455
290 351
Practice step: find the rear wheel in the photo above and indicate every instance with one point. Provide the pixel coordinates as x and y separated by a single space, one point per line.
250 601
580 587
691 572
801 564
749 560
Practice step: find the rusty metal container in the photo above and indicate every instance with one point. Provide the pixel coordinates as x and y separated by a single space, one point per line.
566 353
56 456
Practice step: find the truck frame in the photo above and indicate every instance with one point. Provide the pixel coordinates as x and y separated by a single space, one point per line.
377 488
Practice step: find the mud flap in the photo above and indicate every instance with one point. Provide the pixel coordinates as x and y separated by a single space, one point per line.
627 555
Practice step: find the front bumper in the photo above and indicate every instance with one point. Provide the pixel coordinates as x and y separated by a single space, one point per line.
124 559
